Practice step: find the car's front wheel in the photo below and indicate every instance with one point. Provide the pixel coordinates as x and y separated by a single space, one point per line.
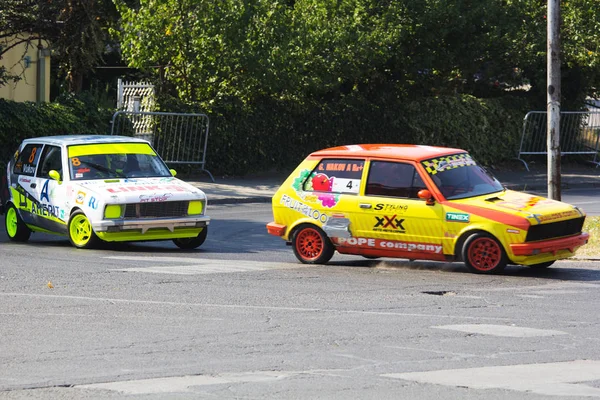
16 229
80 230
192 243
483 254
311 245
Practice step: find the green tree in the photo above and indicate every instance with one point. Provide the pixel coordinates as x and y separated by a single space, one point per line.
323 49
77 31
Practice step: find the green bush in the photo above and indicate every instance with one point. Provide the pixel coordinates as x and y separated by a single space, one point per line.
277 134
69 115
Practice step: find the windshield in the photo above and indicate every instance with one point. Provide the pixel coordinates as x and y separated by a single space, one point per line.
115 160
458 176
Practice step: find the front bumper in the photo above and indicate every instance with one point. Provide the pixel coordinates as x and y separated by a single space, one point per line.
119 225
550 246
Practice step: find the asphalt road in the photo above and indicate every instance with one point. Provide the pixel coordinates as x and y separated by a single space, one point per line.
240 318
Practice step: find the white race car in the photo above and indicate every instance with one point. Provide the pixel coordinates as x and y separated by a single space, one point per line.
92 188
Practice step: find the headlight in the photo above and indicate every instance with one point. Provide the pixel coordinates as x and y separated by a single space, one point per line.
113 211
195 207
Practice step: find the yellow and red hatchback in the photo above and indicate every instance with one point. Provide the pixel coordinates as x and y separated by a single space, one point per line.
418 202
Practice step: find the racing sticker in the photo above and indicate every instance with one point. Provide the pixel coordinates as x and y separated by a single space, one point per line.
302 208
389 224
330 179
154 197
525 204
371 243
80 197
446 163
457 217
399 208
337 176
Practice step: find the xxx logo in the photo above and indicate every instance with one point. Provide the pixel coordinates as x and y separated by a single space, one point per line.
389 223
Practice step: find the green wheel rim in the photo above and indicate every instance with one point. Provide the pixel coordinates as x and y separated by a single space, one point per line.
12 220
80 230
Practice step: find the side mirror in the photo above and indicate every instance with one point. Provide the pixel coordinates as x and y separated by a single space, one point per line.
173 172
426 195
54 175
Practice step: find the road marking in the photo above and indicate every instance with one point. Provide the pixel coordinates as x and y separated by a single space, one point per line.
550 379
199 266
531 296
501 330
252 307
184 383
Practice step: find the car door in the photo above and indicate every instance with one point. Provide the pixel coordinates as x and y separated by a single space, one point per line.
391 213
24 182
49 210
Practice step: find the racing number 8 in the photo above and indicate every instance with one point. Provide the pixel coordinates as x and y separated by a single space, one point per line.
32 155
75 161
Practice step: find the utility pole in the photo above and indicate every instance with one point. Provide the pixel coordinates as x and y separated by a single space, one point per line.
553 81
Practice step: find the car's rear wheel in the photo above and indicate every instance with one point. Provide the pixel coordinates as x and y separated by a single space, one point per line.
80 231
311 245
483 254
543 265
16 229
192 243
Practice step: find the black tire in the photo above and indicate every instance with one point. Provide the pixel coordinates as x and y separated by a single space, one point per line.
543 265
483 254
311 245
16 229
192 243
80 232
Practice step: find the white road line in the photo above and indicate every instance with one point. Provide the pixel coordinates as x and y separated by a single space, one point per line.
182 384
550 379
251 307
501 330
199 266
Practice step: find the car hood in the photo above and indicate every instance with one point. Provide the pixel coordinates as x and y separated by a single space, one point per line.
142 190
536 209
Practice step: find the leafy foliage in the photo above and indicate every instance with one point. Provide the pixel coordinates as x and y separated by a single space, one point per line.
19 121
323 49
77 31
277 134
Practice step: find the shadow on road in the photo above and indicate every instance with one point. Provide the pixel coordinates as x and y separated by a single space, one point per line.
578 271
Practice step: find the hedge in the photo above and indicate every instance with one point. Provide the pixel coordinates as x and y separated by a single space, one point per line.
274 135
69 115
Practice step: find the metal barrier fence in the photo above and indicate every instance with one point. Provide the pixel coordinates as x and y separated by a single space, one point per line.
178 138
579 134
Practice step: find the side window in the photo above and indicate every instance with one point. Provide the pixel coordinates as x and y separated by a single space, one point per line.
336 175
28 160
394 179
51 160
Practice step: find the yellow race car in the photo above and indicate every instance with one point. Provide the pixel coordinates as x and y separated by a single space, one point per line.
418 202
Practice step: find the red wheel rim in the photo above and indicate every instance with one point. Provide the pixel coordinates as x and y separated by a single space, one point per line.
484 254
309 244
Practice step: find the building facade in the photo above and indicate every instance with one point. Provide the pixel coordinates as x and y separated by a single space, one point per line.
30 60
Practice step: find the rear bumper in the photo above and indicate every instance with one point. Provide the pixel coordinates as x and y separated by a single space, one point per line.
276 229
550 246
118 225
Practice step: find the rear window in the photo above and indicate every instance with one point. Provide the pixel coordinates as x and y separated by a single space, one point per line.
336 176
28 160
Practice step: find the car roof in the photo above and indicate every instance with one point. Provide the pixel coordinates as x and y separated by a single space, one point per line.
396 151
83 139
